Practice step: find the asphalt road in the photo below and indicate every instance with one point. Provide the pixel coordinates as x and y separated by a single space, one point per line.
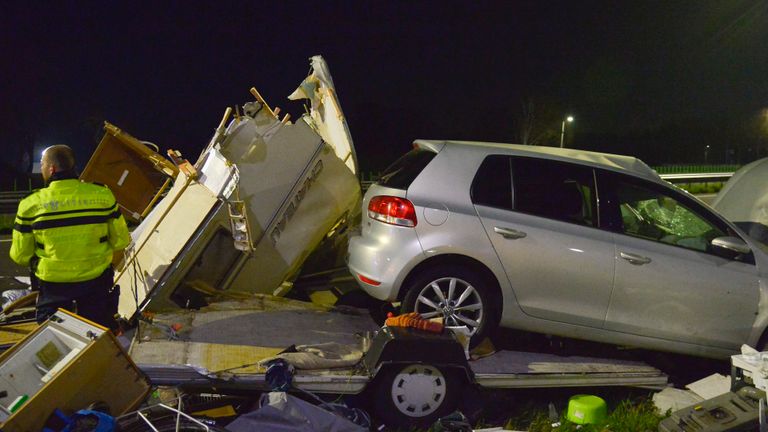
8 268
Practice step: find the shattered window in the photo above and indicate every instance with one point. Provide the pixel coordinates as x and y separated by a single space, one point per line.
655 216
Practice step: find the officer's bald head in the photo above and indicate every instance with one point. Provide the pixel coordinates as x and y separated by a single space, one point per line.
56 159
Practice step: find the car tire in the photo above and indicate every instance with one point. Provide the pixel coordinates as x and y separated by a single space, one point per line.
477 310
415 395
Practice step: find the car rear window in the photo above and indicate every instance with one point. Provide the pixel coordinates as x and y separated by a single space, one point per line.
401 174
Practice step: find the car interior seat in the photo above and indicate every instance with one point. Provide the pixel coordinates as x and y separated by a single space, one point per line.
571 202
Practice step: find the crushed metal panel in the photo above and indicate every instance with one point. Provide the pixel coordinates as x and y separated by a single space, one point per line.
136 175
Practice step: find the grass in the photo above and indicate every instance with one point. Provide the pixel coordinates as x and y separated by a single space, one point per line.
628 416
694 169
701 188
629 410
634 414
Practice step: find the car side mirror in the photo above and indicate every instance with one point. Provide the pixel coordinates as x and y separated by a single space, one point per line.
731 243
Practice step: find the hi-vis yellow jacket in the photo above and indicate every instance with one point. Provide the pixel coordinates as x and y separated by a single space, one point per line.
72 227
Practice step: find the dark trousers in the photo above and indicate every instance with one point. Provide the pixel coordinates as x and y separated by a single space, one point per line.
94 299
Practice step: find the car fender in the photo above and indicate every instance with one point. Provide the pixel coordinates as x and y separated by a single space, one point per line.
472 245
761 319
760 325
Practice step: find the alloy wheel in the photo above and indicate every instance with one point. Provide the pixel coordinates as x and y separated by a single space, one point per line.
457 301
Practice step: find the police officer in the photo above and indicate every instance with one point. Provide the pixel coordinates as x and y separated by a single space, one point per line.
67 232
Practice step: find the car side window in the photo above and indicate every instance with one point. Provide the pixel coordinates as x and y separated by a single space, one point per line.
658 216
555 190
492 185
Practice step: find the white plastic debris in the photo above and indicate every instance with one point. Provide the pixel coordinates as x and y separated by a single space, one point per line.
711 386
675 399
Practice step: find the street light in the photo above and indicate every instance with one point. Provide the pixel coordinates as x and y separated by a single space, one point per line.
706 154
568 119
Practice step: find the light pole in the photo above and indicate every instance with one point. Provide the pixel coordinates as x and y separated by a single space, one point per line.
568 119
706 154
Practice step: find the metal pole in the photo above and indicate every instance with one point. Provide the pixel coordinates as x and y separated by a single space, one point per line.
562 134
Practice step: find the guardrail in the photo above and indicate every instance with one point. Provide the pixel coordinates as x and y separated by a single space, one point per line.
9 201
697 177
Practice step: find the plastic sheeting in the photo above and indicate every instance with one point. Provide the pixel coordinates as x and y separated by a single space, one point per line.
281 412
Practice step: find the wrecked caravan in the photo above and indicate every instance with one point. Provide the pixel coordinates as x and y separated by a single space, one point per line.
244 217
744 199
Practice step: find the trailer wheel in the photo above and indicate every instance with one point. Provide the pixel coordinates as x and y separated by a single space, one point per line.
416 395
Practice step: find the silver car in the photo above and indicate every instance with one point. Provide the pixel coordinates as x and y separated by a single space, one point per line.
559 241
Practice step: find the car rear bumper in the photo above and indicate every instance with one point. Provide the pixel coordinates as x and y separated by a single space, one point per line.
384 258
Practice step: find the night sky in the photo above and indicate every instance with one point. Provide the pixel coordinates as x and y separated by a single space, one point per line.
655 79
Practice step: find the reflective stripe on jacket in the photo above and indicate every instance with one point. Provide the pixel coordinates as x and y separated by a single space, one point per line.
72 227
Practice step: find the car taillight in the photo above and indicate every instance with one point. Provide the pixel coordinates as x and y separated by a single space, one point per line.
368 280
392 210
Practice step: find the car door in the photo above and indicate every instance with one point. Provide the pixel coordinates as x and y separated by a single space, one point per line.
671 283
540 216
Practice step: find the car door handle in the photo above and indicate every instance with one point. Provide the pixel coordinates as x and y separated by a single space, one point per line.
635 259
509 233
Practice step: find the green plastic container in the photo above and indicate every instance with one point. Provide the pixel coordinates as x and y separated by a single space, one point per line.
586 409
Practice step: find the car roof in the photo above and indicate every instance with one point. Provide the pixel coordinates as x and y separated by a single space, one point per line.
613 162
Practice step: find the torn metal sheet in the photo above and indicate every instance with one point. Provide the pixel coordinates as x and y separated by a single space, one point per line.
217 358
225 342
262 196
510 369
326 114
